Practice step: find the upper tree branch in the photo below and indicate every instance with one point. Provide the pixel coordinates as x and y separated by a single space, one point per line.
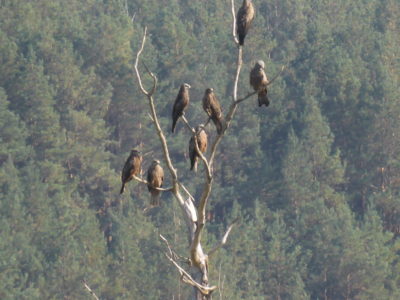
234 23
209 179
175 181
149 95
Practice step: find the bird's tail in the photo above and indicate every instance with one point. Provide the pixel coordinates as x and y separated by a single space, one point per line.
263 98
155 199
122 188
193 166
241 40
220 124
173 125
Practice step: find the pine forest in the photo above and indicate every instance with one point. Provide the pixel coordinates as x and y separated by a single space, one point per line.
307 187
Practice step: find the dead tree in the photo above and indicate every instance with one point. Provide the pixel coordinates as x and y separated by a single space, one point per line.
195 217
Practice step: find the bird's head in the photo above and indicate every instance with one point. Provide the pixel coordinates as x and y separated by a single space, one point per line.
156 162
200 127
260 63
135 151
187 85
209 90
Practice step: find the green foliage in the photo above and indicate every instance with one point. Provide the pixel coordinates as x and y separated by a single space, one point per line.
314 177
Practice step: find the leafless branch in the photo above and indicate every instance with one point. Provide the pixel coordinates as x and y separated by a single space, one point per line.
208 183
137 61
156 123
89 289
185 276
224 239
168 246
150 117
208 121
245 97
186 191
176 184
187 124
156 188
234 23
277 75
153 89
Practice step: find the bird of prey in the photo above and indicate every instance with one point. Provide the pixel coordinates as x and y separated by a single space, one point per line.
131 168
244 18
213 109
181 103
201 137
259 82
155 178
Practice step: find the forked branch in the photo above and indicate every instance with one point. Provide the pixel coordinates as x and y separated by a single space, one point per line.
185 276
156 123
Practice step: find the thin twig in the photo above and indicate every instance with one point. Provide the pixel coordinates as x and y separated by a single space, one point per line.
168 246
154 77
224 239
245 97
150 117
187 124
277 75
173 253
89 289
186 190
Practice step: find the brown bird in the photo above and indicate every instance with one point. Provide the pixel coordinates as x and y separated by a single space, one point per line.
131 168
244 18
201 137
213 109
259 82
181 103
155 178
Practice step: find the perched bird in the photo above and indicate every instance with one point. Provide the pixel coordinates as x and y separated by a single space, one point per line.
259 82
155 178
181 103
201 137
213 109
244 18
131 168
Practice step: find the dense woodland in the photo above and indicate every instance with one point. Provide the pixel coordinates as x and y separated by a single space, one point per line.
314 178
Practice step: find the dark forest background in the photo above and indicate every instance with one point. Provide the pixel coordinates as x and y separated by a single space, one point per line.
314 178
